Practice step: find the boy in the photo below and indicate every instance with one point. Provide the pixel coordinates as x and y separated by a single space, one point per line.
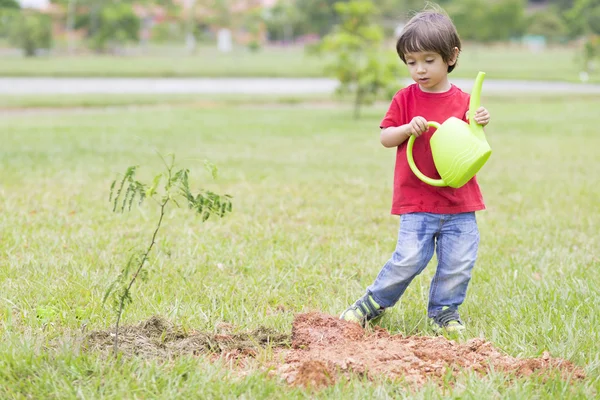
430 217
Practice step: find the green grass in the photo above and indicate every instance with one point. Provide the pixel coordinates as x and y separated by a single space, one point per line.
207 61
310 230
500 62
27 102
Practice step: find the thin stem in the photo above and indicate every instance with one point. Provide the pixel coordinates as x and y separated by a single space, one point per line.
137 272
357 102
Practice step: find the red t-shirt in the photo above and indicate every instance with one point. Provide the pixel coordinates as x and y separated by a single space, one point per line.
410 193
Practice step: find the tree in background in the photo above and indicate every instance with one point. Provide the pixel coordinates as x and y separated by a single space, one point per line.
9 4
549 24
360 65
8 10
30 31
253 23
584 17
318 16
283 21
108 23
117 25
484 21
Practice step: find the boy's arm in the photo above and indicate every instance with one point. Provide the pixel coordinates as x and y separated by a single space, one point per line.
394 136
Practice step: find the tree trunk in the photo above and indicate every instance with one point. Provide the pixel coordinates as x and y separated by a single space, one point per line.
190 38
357 103
71 26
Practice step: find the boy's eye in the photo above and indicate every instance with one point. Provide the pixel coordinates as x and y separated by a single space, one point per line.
410 62
429 61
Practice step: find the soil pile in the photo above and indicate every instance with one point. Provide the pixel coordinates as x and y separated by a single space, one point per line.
325 348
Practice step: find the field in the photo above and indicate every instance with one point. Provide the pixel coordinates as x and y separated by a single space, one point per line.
500 62
309 231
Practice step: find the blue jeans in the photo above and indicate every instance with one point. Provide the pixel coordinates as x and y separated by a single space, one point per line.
455 238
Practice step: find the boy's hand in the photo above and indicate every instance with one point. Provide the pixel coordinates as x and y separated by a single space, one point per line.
418 126
482 116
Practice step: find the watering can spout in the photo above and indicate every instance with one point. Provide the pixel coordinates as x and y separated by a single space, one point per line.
474 104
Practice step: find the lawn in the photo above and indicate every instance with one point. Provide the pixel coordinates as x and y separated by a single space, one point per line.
500 62
310 230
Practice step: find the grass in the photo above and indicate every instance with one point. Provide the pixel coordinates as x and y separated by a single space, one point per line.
207 61
25 102
500 62
310 230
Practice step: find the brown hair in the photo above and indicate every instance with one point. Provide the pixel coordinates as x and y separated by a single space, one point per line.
429 31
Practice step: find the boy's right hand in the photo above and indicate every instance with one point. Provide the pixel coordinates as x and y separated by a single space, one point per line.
418 126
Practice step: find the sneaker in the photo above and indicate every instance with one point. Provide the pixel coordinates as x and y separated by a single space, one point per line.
447 320
365 309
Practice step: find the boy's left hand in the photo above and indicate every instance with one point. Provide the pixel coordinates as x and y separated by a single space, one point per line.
482 116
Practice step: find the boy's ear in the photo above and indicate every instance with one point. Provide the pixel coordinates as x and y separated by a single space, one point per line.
454 57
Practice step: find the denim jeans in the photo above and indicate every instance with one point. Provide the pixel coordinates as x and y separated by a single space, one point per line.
455 237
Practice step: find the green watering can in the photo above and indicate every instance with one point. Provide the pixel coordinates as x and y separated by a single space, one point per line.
459 149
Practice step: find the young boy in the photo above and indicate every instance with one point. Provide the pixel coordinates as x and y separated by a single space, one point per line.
430 217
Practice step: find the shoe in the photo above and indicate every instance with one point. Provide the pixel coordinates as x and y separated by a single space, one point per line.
363 310
447 320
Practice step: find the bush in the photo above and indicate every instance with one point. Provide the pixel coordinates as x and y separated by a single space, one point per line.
593 20
31 31
486 21
117 25
254 45
166 32
548 24
9 4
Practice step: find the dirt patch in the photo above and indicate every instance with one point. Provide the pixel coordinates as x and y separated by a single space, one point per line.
323 349
159 338
322 344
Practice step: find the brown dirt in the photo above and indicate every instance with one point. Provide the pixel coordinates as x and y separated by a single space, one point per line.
325 349
348 349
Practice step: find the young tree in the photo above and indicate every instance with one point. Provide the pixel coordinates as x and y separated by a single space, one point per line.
170 187
360 65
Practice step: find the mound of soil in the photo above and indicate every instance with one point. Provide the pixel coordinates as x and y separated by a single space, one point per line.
323 349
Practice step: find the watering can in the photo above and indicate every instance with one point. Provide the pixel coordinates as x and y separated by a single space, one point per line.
459 149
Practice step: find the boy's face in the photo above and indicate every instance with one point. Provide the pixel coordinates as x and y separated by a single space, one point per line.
429 70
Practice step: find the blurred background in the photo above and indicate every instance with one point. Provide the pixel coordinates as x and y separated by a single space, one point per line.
536 39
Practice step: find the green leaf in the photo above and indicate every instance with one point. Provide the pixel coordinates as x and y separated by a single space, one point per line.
210 167
109 290
112 188
155 182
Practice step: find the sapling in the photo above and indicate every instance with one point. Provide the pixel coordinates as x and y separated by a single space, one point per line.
359 64
169 187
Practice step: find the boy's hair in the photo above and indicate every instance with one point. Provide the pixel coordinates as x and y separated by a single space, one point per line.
430 30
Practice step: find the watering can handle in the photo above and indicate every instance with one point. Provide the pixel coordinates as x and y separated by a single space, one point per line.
413 166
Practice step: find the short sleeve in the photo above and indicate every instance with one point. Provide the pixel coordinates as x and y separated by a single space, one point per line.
393 116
